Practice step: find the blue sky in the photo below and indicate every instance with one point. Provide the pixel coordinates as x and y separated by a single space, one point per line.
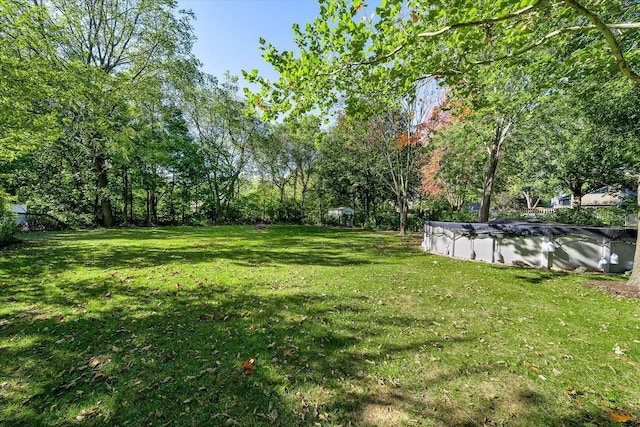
228 31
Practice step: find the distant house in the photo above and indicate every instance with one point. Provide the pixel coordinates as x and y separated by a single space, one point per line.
562 201
344 215
602 197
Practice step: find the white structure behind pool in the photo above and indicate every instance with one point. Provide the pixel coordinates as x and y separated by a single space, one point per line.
534 243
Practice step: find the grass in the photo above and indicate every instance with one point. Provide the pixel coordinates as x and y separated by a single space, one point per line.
301 326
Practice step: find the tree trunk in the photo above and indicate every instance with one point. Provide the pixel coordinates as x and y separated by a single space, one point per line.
282 210
172 207
487 187
154 207
130 205
404 208
532 202
576 199
147 218
502 130
184 203
125 195
105 203
575 186
634 280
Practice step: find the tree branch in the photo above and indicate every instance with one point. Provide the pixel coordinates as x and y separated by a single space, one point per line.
598 24
533 45
623 65
508 16
632 25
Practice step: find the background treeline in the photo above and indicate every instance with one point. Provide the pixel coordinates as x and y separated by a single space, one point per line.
106 119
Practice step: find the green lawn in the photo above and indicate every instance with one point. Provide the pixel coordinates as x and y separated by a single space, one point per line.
301 325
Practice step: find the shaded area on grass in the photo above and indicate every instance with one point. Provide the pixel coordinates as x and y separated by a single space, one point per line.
177 358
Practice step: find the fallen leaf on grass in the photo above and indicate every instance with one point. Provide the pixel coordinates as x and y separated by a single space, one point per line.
534 368
207 371
248 366
620 418
87 413
273 413
97 361
286 352
273 416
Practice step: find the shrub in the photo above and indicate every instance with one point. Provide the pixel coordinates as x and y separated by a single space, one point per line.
576 216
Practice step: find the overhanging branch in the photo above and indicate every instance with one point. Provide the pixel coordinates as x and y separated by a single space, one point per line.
605 29
552 35
506 17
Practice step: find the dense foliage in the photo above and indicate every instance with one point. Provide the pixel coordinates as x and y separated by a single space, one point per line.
444 112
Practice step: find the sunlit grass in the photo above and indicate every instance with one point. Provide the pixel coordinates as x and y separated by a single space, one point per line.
301 325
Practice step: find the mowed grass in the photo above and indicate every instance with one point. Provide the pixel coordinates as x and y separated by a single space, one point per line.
302 326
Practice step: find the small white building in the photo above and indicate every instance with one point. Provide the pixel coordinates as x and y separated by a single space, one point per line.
20 212
344 215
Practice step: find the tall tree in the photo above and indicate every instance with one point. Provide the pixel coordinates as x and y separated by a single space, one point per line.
396 134
304 136
273 161
111 53
224 134
348 171
567 146
496 98
455 165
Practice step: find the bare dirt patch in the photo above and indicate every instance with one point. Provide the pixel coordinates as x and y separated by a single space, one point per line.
384 409
619 289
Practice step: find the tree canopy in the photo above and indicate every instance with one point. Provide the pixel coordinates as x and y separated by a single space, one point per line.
351 50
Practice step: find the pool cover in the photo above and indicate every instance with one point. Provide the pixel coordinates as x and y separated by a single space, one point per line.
502 228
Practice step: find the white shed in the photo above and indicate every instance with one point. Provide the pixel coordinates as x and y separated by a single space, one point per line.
21 213
343 215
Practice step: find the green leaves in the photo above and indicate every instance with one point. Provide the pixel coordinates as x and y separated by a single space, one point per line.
77 82
444 38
